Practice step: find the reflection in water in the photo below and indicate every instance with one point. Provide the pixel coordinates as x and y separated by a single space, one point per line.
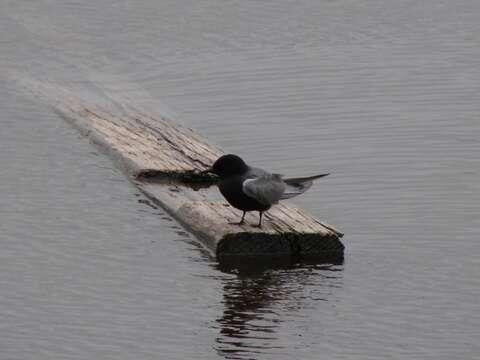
263 295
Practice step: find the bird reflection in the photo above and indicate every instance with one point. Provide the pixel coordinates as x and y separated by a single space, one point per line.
261 293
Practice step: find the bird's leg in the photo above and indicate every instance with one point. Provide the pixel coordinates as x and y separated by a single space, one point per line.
241 221
260 221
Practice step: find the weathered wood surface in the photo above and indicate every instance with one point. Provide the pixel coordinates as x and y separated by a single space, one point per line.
162 157
142 143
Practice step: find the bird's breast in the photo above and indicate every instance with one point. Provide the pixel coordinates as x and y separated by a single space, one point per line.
232 191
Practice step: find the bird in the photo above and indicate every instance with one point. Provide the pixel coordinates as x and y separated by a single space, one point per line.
249 188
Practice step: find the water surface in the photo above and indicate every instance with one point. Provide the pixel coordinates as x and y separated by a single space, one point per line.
382 94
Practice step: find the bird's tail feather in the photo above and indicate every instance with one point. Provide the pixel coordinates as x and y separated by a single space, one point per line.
297 186
300 180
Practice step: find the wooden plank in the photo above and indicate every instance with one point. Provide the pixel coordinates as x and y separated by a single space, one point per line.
164 160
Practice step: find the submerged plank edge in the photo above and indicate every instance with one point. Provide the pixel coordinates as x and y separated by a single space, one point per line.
149 146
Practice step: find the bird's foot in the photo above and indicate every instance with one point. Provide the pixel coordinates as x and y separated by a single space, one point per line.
236 223
241 220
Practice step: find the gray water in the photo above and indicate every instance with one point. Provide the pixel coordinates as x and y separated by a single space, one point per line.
385 95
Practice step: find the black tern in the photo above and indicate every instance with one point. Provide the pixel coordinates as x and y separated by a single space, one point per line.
252 189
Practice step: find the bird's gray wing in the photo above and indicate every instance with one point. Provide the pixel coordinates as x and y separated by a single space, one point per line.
266 189
297 186
254 172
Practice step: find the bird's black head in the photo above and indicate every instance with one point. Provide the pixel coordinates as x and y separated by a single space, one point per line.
229 165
